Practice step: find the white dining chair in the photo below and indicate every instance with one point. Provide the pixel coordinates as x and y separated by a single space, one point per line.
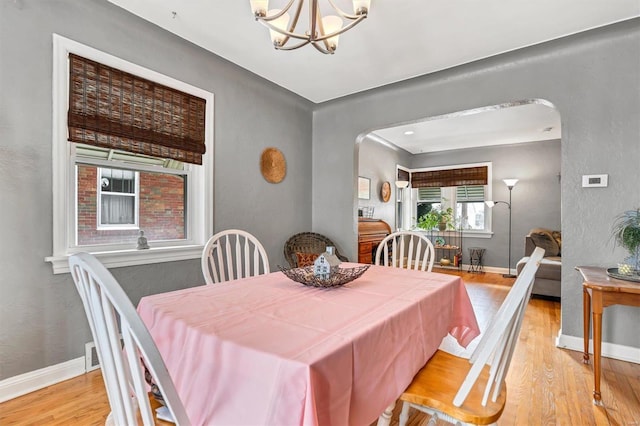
233 254
409 250
121 349
473 391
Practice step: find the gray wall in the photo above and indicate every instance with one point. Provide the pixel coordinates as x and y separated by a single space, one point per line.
535 198
41 319
378 163
591 78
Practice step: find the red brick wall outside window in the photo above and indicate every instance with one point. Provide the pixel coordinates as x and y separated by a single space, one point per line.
161 209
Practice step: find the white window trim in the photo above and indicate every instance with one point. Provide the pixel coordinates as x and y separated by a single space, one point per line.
200 208
136 202
468 233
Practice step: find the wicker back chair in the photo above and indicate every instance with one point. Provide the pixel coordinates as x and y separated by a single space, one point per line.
308 242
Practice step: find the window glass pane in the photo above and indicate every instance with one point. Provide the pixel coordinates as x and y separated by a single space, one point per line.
471 215
117 180
425 207
161 206
117 210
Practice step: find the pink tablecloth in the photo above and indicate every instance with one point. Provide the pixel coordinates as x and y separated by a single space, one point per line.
269 351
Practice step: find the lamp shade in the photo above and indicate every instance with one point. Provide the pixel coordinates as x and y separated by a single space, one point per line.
490 203
332 24
282 22
510 182
402 184
360 6
259 7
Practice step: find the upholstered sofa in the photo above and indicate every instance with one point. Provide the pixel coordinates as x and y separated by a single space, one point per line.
548 276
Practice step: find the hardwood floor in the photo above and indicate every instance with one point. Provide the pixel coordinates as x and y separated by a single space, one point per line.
546 385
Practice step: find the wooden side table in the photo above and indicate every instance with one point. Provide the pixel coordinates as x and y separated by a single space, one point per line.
599 291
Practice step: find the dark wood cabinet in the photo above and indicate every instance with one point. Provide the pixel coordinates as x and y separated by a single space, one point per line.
370 233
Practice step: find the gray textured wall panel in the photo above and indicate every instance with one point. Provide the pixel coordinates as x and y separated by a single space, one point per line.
41 319
591 78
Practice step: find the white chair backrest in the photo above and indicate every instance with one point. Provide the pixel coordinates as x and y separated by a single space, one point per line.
409 250
104 302
233 254
499 340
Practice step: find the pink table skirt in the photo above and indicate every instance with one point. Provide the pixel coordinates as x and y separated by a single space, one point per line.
269 351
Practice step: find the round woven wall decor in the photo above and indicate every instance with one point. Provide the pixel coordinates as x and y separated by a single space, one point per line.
273 165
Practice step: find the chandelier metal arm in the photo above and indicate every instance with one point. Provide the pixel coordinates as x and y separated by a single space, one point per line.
321 49
345 14
343 29
314 18
307 37
277 15
294 47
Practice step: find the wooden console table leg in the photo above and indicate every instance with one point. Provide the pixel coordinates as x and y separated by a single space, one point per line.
597 346
586 318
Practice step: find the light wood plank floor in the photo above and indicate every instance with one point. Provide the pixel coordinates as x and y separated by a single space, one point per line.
546 385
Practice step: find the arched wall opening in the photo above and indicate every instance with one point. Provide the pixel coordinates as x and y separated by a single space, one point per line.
513 137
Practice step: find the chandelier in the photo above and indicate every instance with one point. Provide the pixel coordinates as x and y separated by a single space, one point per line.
322 32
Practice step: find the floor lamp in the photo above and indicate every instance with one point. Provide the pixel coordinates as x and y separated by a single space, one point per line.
510 184
401 185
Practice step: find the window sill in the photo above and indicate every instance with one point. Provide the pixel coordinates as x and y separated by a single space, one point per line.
477 234
465 233
132 257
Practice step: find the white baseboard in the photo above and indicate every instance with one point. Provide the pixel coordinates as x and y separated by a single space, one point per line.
28 382
492 269
609 350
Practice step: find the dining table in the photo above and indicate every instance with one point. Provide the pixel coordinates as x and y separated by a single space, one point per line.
267 350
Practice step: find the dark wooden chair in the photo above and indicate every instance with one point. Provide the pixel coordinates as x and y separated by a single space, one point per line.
308 242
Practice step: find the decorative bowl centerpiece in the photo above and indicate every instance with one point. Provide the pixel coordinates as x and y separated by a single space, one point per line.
339 277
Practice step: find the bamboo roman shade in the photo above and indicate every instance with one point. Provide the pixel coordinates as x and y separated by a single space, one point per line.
403 175
113 109
450 177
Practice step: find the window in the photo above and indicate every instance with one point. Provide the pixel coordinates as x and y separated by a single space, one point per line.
428 199
108 183
117 191
464 188
470 207
113 204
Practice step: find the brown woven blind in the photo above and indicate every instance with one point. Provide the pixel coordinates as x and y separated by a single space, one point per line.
450 177
403 175
113 109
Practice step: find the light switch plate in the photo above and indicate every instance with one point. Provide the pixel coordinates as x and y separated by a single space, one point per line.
597 181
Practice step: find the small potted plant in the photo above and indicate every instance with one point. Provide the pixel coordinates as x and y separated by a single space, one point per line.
626 232
442 219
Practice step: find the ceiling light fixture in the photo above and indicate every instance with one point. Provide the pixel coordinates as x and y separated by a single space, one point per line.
409 132
322 32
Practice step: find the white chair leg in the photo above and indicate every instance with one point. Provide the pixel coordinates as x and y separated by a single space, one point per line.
404 414
385 417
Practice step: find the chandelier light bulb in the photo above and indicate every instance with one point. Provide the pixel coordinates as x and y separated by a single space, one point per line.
277 38
332 24
259 7
361 6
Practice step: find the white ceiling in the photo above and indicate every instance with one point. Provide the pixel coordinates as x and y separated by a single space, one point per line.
495 125
400 39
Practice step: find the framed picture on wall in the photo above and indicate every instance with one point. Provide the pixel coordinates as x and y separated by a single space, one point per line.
364 188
